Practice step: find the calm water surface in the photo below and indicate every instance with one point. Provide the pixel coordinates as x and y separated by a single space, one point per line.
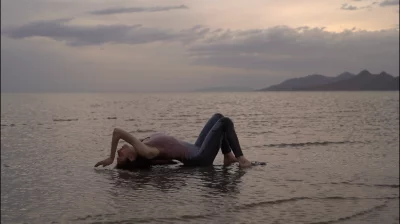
331 157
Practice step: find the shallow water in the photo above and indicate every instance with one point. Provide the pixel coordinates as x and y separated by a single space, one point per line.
331 157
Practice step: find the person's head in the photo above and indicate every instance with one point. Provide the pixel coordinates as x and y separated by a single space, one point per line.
126 152
129 160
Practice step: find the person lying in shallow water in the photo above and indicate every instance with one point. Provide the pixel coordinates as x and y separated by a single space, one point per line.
159 148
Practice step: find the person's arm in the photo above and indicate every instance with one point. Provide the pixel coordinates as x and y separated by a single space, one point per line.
140 147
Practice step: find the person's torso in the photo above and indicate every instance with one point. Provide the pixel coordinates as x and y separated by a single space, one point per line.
170 147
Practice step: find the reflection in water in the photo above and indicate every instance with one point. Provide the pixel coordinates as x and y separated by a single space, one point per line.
217 179
217 187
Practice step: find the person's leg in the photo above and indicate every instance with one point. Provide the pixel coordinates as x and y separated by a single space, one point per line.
233 141
229 157
209 149
230 138
207 128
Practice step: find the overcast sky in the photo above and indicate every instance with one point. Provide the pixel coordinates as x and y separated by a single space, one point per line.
158 45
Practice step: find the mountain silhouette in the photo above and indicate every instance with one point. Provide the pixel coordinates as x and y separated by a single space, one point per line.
308 81
364 81
226 89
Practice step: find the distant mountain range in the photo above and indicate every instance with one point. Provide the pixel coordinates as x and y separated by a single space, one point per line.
364 81
226 89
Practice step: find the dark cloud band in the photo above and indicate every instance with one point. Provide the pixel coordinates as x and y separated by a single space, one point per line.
137 10
389 3
346 6
272 48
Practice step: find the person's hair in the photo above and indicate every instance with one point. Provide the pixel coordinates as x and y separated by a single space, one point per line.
139 163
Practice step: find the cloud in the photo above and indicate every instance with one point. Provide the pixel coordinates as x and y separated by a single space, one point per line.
346 6
75 35
78 35
275 49
282 48
382 4
389 3
111 11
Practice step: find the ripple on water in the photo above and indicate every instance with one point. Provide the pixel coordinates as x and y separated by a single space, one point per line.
348 172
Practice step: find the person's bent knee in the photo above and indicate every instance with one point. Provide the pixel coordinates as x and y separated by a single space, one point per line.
219 115
226 121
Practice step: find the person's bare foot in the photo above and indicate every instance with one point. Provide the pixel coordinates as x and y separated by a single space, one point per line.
229 159
244 163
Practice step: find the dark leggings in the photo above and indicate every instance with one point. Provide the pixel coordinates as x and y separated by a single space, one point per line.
219 132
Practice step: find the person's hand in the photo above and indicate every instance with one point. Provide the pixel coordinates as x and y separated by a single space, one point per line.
105 162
